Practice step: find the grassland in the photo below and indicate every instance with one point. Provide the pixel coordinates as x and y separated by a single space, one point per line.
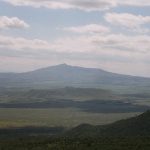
70 117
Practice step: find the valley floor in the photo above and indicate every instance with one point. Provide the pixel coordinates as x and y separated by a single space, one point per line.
51 117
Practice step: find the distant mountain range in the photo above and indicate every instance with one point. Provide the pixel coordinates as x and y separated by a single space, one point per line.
65 75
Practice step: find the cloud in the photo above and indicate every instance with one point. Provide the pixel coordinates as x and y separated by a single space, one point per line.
91 28
124 43
14 22
117 44
22 43
85 5
113 49
132 22
95 5
41 3
127 20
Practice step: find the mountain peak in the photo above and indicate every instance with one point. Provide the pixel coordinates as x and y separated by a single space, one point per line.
63 65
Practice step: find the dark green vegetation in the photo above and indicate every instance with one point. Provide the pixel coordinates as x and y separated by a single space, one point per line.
64 75
43 143
130 134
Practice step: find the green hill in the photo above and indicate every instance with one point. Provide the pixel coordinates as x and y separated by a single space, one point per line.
136 126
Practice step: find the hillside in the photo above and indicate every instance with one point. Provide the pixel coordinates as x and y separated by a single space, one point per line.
136 126
68 93
64 75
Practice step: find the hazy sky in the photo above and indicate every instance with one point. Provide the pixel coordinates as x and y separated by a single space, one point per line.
110 34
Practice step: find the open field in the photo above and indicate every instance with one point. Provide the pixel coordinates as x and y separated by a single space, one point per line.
70 117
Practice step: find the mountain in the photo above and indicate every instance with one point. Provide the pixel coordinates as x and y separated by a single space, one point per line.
64 75
136 126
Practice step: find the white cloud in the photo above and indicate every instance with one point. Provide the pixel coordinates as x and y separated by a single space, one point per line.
91 28
22 43
127 20
86 5
40 3
123 43
100 44
91 49
14 22
131 22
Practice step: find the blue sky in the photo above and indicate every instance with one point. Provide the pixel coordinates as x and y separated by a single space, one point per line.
110 34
